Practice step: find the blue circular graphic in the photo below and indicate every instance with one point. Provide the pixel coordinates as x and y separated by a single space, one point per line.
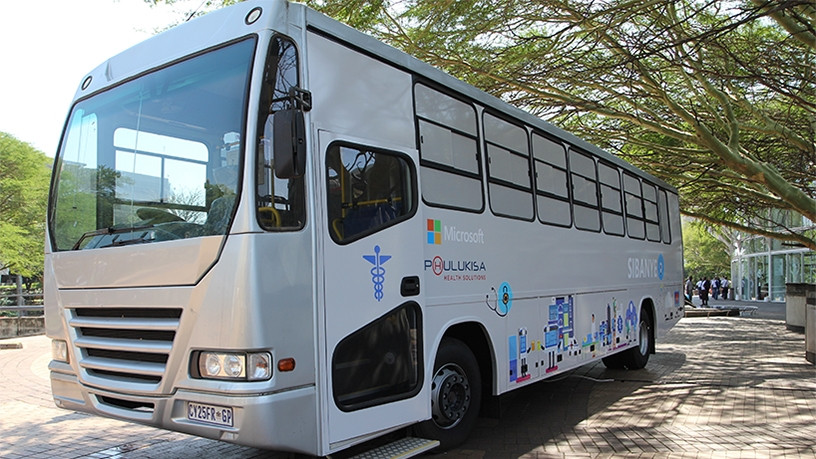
505 298
661 266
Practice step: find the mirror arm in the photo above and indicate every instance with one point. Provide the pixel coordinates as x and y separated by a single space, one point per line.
298 98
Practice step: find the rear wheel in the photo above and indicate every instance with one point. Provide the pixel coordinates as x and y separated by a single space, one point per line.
614 362
456 392
637 357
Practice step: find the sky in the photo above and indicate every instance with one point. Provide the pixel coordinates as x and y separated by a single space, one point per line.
48 46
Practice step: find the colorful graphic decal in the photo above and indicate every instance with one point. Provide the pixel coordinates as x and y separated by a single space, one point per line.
519 370
501 301
434 232
559 333
661 267
567 341
377 271
616 330
505 297
512 346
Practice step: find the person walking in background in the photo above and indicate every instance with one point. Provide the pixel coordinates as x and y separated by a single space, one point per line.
702 290
706 290
715 288
724 284
689 288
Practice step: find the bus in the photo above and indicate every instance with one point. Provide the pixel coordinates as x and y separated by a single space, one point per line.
270 229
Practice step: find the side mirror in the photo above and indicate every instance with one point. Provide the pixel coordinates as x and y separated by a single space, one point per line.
289 142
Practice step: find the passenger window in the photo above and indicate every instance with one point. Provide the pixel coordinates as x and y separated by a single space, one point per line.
663 208
584 191
379 363
650 212
552 182
611 206
367 190
634 206
508 165
449 152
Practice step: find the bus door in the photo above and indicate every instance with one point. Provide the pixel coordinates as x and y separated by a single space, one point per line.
372 262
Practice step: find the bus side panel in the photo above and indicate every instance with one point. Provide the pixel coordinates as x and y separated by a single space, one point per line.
551 298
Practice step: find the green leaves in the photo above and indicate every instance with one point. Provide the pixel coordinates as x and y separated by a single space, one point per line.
717 98
24 179
703 253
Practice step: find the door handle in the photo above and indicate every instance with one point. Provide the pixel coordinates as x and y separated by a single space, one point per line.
409 286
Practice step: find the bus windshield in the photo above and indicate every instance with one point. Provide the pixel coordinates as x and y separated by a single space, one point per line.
157 158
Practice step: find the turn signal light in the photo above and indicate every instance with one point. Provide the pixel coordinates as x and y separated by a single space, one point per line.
287 364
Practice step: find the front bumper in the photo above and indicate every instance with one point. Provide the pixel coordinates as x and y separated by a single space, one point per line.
284 421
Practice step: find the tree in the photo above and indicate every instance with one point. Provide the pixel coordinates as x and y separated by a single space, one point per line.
717 98
714 97
704 251
24 179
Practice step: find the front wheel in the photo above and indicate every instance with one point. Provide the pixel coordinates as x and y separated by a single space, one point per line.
456 391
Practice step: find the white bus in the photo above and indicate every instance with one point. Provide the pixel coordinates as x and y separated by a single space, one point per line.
270 229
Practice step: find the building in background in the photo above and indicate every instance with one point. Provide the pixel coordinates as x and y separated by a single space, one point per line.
761 266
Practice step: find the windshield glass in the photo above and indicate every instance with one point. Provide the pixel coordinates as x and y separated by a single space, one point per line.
157 158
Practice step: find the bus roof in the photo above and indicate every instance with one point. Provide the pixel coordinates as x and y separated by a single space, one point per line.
324 25
207 31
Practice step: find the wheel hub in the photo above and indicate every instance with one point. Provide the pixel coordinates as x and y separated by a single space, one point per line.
450 396
644 338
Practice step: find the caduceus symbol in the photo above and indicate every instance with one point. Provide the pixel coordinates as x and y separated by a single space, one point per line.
377 272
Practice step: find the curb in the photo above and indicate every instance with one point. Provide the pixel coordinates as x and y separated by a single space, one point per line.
711 312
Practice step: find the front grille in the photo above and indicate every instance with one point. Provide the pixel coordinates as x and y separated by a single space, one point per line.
125 345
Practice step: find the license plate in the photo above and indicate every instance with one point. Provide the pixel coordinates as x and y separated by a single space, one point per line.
211 414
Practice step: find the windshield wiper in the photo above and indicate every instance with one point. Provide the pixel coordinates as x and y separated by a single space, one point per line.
112 230
136 240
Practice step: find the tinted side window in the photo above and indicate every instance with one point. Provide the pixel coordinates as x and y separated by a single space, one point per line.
584 191
367 190
379 363
552 182
663 208
611 205
508 166
449 152
634 206
650 212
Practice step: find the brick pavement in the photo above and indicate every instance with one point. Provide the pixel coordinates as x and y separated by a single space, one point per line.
718 387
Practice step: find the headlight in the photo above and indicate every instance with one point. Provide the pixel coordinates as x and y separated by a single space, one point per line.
59 350
233 366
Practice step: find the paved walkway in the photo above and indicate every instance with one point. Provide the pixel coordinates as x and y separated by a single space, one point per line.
717 387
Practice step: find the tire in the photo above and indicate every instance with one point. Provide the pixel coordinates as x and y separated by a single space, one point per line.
456 395
637 357
613 362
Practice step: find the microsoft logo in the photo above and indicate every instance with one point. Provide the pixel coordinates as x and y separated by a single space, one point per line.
434 232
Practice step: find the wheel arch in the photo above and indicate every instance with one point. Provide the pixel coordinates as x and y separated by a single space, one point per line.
647 306
475 337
